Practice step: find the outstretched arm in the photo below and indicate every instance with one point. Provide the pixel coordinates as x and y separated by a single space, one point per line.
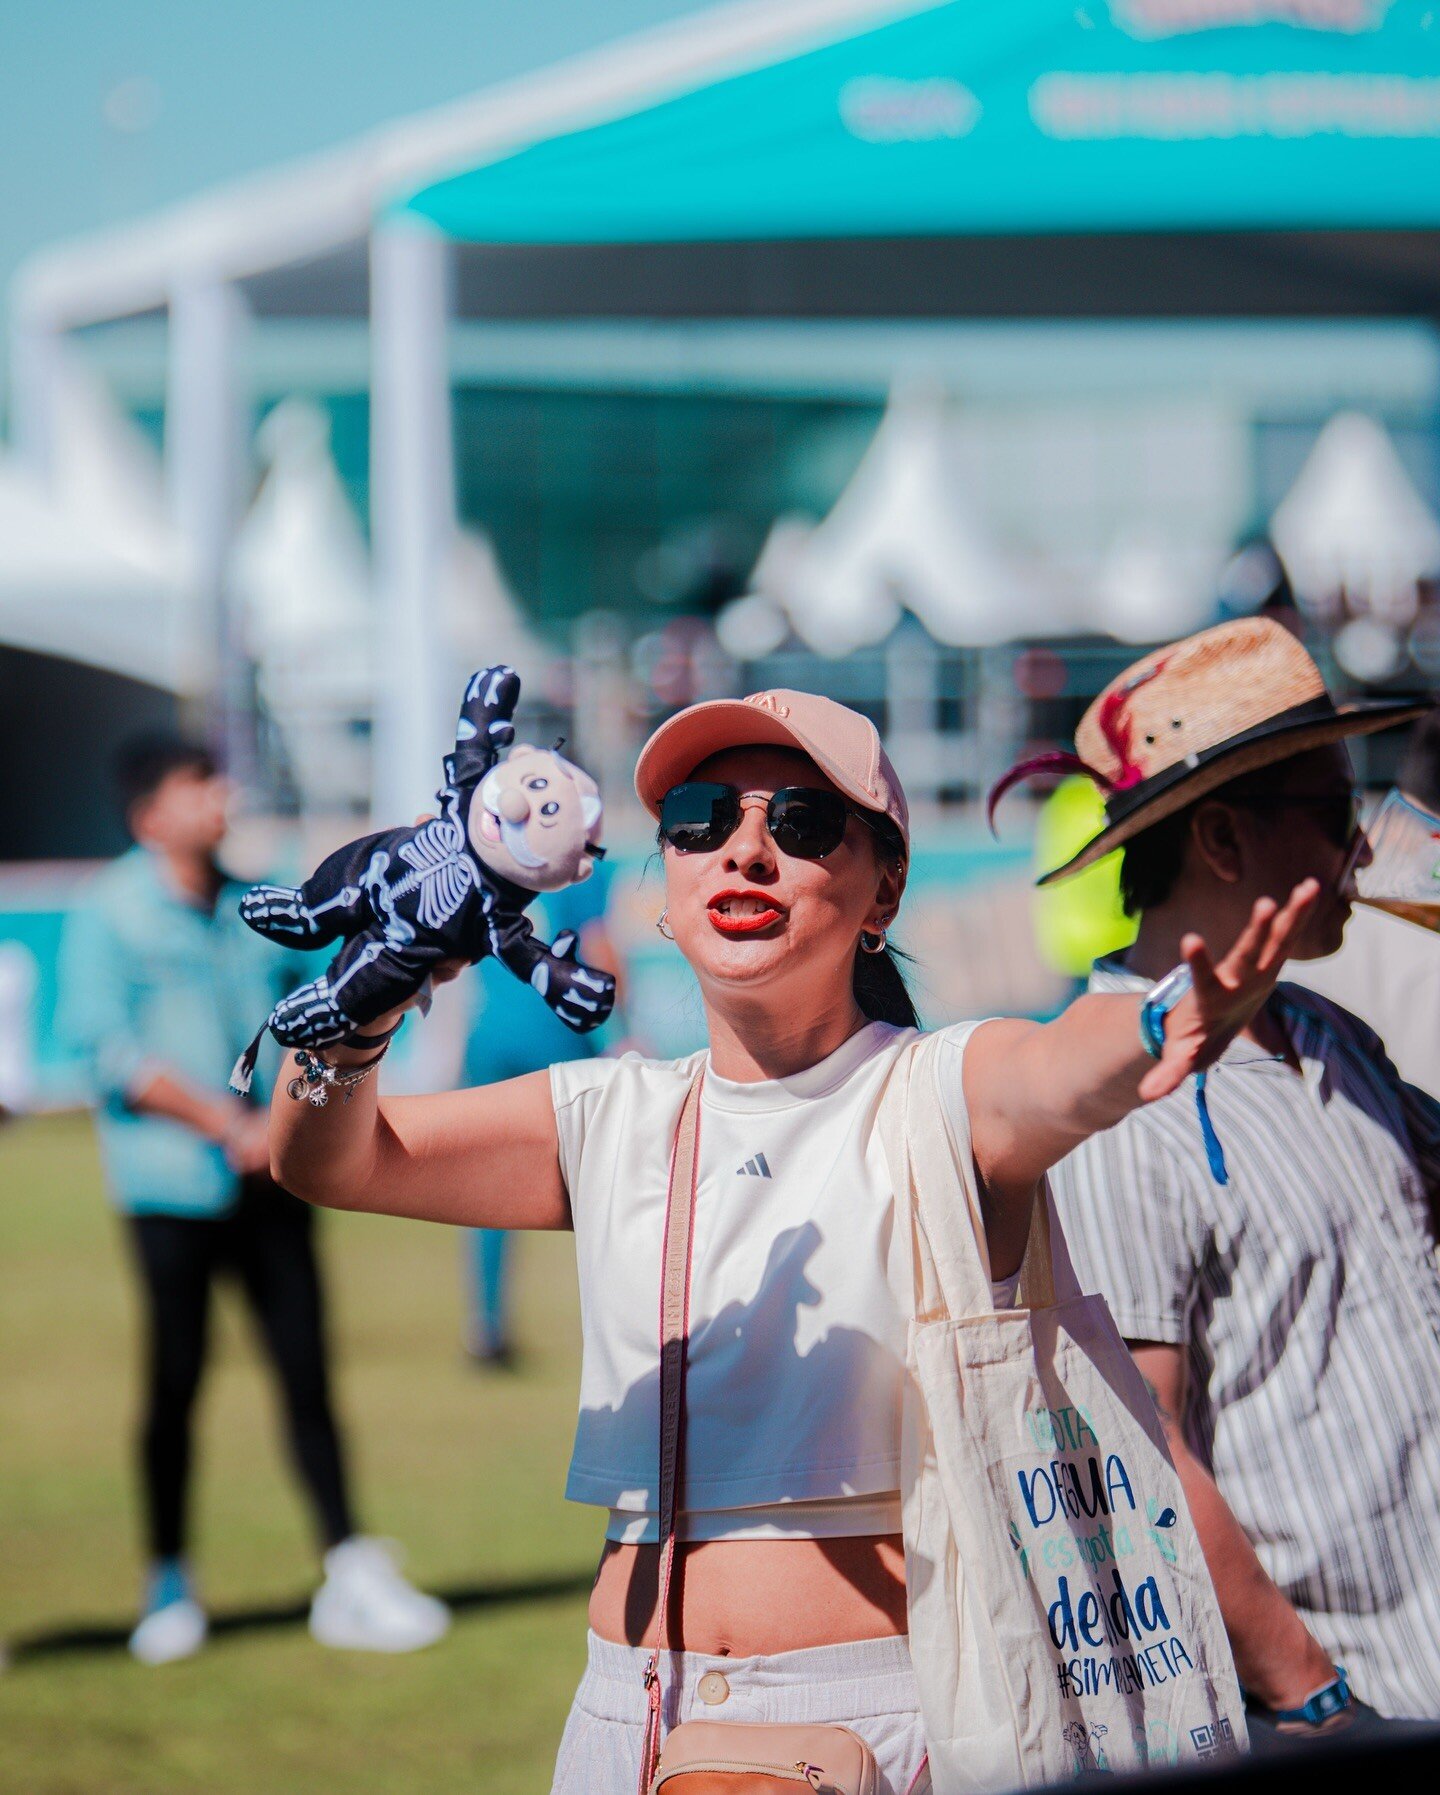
483 1158
1035 1091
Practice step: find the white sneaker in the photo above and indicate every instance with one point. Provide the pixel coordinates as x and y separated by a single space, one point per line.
166 1634
365 1605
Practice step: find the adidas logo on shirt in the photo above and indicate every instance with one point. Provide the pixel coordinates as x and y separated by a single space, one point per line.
758 1167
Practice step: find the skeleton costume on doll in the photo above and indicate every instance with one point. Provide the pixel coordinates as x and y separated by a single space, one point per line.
452 888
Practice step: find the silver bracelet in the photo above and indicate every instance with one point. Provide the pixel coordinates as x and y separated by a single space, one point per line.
317 1078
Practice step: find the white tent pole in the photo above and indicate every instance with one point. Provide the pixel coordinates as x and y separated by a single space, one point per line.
412 510
37 353
206 428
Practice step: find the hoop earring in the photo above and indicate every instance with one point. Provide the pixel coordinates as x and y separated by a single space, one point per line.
662 925
872 943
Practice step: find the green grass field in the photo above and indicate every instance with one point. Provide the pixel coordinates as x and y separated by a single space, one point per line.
465 1468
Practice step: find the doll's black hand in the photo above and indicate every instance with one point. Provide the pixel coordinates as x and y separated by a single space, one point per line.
484 729
585 996
490 701
585 999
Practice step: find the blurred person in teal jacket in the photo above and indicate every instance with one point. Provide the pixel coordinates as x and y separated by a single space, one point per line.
160 985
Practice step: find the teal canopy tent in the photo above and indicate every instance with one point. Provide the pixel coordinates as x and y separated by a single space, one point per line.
1006 117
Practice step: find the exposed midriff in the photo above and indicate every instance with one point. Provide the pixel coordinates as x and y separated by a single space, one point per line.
748 1598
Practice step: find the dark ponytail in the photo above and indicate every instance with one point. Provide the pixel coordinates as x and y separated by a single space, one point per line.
880 988
877 980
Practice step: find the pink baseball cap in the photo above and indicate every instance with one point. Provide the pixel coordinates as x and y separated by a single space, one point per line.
843 744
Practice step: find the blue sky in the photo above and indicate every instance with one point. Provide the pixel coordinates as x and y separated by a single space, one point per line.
108 110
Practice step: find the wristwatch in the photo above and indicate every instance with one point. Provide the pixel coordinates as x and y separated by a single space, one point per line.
1330 1698
1158 1005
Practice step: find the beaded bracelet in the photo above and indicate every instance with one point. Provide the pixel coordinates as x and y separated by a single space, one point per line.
317 1078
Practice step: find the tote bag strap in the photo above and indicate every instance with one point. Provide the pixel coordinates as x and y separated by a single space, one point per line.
674 1339
926 1131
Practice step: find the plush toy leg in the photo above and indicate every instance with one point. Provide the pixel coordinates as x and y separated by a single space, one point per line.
332 901
310 1017
281 913
315 1016
365 979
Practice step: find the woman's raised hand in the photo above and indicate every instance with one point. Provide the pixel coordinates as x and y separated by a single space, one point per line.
1227 993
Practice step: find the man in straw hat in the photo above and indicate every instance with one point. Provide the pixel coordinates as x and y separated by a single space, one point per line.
1266 1233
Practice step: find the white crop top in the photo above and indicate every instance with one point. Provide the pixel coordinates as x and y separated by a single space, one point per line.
801 1292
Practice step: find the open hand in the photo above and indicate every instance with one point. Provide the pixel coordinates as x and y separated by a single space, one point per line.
1227 993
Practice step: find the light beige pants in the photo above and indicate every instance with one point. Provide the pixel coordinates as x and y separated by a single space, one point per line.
868 1686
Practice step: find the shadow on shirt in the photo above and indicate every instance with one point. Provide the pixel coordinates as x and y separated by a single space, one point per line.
757 1407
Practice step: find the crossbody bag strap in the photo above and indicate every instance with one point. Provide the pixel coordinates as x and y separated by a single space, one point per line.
674 1339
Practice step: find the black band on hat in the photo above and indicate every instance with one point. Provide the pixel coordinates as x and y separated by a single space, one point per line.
1124 803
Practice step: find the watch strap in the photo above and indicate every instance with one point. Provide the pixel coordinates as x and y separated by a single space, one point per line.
1158 1005
1329 1699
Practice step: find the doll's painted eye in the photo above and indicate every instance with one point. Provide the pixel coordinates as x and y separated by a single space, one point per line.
549 809
537 785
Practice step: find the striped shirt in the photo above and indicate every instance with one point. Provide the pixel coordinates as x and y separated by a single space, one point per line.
1307 1294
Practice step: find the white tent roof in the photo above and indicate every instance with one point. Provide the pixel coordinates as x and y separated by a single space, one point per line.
300 573
1354 522
901 535
89 566
1152 588
104 469
300 567
65 591
480 617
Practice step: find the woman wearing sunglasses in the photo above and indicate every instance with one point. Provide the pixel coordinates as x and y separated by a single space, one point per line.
785 842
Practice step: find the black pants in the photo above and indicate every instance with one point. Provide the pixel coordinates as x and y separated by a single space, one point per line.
267 1242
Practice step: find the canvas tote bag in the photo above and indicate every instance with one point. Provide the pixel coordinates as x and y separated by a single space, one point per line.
1061 1615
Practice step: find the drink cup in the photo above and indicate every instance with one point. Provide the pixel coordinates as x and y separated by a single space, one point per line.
1403 876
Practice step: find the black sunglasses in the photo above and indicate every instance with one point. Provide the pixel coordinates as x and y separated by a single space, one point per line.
804 822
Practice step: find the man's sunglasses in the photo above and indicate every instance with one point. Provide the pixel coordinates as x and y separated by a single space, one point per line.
804 822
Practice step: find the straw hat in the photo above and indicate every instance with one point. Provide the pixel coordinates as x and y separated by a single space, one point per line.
1189 718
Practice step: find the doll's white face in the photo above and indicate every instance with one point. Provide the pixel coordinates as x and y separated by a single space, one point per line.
534 818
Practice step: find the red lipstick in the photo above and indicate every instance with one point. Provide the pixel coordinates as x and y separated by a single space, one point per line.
743 912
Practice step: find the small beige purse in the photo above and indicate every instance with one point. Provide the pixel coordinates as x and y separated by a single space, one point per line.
713 1757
